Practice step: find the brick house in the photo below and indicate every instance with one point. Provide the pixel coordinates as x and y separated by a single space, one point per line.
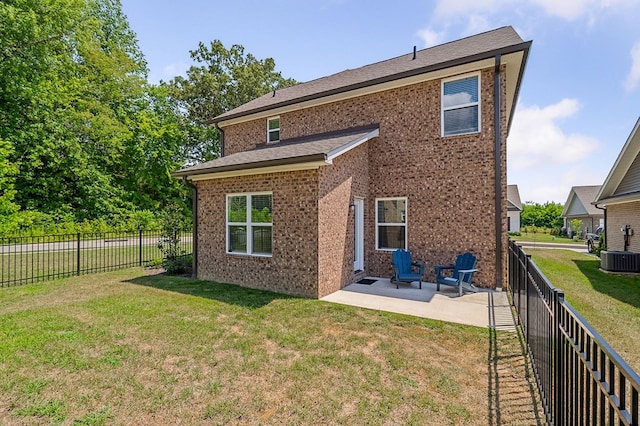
579 205
320 182
620 196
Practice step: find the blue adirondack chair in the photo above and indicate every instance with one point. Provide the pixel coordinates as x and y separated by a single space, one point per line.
462 273
403 268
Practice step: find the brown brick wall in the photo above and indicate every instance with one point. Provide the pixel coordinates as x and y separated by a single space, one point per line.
449 181
293 267
245 136
338 184
619 215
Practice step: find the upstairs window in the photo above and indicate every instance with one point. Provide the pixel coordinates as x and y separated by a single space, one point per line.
249 224
273 129
461 106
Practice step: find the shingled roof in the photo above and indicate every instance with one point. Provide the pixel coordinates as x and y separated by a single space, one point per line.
316 149
579 201
501 41
513 198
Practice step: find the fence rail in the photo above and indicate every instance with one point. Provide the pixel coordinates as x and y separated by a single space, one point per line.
581 379
26 259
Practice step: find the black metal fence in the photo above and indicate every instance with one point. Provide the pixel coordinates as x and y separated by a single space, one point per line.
26 259
581 379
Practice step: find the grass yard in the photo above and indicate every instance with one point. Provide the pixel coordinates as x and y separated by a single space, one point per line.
610 303
18 268
128 348
544 238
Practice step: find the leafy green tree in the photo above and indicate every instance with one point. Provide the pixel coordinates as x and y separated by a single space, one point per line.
547 215
89 138
155 152
222 80
7 177
576 227
70 78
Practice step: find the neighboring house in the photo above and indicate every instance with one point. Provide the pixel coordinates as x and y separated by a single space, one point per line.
514 208
620 196
321 181
579 206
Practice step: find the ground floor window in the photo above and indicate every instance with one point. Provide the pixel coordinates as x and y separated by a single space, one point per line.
249 224
391 223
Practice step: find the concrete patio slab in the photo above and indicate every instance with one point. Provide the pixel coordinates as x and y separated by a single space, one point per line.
485 308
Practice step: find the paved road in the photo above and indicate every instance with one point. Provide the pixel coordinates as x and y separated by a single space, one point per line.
581 248
111 242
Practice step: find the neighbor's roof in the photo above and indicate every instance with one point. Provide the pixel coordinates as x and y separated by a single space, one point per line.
501 41
307 152
513 198
579 202
623 182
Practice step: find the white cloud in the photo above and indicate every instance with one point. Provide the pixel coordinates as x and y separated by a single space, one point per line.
168 72
430 37
536 140
554 184
567 9
478 24
633 79
172 70
465 7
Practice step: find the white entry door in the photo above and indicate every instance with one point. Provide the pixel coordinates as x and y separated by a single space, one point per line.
358 234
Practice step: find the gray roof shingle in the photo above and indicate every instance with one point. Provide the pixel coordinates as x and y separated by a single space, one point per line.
513 197
469 49
294 151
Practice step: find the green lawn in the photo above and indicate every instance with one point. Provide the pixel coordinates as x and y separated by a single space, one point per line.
544 238
610 303
128 348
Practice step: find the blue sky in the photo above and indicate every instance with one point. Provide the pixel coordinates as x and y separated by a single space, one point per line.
580 96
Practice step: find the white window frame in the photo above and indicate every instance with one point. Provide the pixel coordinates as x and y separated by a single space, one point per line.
248 224
269 131
405 223
443 108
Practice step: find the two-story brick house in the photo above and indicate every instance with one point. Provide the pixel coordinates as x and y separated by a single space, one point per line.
321 181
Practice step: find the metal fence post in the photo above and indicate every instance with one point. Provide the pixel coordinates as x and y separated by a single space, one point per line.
78 257
526 298
140 249
559 369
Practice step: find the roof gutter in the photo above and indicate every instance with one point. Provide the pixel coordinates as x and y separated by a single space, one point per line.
524 46
313 158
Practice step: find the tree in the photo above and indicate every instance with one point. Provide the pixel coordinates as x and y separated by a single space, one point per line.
576 227
155 152
89 138
7 177
69 80
547 215
222 80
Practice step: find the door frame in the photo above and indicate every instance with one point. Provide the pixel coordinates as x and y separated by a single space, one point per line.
358 234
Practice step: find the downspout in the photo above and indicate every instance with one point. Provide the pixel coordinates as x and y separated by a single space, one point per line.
194 205
221 140
604 209
498 170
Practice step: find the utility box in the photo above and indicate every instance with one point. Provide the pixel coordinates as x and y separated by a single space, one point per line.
620 261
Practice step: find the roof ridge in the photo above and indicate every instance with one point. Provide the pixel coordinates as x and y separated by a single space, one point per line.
397 57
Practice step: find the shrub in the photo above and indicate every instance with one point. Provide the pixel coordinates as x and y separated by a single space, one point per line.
172 222
600 247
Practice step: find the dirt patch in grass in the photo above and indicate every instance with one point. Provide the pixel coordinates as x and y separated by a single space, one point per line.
125 348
